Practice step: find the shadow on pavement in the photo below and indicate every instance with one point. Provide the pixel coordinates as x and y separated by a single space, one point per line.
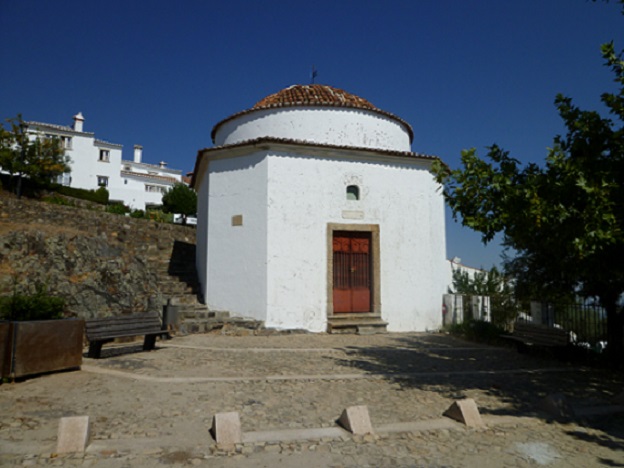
452 367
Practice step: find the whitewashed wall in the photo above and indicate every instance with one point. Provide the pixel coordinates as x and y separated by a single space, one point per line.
306 193
133 194
201 239
346 127
235 265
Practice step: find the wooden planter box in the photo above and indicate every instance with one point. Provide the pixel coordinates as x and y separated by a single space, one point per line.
42 346
5 350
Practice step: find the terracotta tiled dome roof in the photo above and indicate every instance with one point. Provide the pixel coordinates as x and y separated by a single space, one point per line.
313 95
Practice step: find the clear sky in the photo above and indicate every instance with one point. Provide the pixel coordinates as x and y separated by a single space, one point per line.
162 73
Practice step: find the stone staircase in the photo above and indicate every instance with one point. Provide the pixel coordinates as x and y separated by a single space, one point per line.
360 323
184 312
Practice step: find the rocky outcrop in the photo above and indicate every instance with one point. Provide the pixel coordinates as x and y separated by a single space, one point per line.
102 264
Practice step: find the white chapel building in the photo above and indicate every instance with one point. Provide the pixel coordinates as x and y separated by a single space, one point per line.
314 213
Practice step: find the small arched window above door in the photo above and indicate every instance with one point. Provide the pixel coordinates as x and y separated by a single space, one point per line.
353 192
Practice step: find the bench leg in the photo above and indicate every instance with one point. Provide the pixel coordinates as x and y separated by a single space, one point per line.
95 349
149 343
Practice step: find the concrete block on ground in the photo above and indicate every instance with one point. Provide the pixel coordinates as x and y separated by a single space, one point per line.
355 419
226 429
73 434
556 405
465 411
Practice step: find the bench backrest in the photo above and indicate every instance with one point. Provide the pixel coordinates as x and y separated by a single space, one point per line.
123 325
541 334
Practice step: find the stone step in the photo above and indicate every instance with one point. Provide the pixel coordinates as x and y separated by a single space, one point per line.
361 324
172 280
177 270
231 325
189 299
202 313
181 287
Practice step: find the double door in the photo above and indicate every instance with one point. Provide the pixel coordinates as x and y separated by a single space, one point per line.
352 271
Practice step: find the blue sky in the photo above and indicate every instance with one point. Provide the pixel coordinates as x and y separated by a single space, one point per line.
163 73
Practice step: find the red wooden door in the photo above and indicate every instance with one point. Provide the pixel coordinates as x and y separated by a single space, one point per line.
352 272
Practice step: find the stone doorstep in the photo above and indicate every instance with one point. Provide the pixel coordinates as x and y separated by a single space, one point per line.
364 327
360 323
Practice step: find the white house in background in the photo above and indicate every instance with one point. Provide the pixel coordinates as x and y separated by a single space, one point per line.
314 213
98 163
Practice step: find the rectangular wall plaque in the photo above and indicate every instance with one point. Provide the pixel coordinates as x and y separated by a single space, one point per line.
350 214
237 220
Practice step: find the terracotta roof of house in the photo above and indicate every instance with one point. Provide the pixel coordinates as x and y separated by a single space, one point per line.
60 128
313 95
288 141
97 141
149 176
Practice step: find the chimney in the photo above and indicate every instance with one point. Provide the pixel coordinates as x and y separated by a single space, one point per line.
138 153
163 164
78 122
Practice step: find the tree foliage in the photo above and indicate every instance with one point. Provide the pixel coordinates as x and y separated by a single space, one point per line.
40 160
563 222
180 199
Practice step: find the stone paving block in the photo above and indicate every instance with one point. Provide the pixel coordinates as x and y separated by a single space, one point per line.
73 434
226 429
556 405
356 420
465 411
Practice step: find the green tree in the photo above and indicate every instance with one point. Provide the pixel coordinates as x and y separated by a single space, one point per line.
180 199
563 221
40 160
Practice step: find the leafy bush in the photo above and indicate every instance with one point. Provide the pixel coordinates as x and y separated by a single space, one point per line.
56 200
137 214
97 196
477 330
38 306
101 196
118 208
159 216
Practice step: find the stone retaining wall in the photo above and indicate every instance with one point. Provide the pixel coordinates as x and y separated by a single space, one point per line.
101 263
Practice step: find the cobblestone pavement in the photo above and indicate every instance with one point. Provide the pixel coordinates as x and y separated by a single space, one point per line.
156 408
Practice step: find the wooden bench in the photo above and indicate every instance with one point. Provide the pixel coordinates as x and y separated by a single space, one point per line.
532 334
105 330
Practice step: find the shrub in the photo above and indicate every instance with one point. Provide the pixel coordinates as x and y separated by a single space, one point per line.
38 306
97 196
101 196
477 330
159 216
118 208
57 200
137 214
